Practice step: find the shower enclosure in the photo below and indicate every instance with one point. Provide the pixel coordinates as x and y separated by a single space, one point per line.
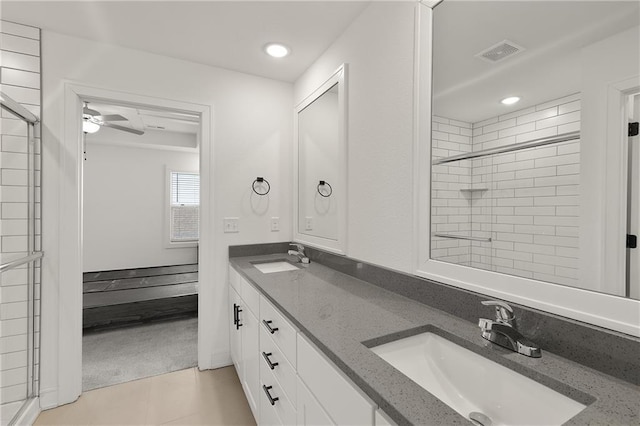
19 260
506 197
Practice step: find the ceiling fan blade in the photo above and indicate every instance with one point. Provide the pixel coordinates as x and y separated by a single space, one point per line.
110 117
89 111
124 129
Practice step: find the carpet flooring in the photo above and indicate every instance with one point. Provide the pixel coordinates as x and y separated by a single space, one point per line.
121 355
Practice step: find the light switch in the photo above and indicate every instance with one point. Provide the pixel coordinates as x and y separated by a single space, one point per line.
231 224
308 223
275 224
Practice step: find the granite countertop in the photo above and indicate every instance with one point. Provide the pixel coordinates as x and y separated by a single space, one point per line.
338 313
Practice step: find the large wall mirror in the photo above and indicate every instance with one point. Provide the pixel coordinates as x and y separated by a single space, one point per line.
533 175
320 152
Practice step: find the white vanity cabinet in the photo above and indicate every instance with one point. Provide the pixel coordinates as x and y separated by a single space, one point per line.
344 404
310 412
235 341
278 365
382 419
286 379
244 336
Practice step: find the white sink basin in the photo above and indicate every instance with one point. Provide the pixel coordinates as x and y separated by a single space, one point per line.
277 266
470 383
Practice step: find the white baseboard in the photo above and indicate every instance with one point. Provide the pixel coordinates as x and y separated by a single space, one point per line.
219 360
48 398
29 413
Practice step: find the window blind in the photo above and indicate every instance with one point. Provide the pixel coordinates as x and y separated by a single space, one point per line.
184 208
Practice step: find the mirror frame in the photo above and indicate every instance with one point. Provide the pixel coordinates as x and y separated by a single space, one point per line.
600 309
338 246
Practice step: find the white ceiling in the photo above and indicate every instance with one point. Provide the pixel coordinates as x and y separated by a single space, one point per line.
552 32
226 34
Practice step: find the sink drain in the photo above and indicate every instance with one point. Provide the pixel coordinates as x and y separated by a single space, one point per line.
479 419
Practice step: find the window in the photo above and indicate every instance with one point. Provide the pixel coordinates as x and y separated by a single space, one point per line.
184 206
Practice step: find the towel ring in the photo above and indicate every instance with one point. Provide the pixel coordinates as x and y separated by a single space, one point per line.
325 183
260 180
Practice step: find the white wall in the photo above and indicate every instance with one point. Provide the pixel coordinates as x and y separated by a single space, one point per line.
125 206
251 136
378 47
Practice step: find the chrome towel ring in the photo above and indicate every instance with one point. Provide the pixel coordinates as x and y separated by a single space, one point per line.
260 180
324 184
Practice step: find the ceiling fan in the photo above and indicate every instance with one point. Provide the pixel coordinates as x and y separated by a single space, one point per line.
92 120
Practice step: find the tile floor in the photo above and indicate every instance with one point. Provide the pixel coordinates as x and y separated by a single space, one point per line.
186 397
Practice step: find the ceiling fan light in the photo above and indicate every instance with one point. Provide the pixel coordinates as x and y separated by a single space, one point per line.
89 126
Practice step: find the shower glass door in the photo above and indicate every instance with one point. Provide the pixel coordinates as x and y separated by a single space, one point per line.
19 260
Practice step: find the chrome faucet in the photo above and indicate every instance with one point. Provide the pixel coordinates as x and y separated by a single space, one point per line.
299 252
502 331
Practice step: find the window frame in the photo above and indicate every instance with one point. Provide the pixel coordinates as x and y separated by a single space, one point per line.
168 242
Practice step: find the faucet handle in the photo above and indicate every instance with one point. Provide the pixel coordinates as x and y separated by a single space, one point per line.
504 312
485 324
299 247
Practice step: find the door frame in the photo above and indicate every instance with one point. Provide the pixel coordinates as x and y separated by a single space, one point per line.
615 190
67 345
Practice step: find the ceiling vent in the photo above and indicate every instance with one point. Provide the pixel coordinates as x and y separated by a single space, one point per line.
500 51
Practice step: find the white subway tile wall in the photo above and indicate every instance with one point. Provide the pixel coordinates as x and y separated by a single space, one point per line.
451 205
526 201
20 79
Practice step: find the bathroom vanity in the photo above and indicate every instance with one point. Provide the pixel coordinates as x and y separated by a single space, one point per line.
302 344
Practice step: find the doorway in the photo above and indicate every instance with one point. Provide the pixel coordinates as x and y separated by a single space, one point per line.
66 310
141 196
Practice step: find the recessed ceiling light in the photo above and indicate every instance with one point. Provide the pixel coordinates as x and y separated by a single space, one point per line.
277 50
510 101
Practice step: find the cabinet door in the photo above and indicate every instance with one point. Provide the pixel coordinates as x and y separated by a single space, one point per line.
234 330
250 358
338 396
382 420
309 411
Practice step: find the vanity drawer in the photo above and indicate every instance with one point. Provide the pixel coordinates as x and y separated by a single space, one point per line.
282 407
284 373
284 336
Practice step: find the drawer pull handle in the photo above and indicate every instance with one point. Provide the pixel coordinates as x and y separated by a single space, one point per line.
266 356
267 324
272 400
238 310
235 314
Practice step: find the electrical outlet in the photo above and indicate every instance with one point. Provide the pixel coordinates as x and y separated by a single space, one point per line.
308 223
275 224
231 224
